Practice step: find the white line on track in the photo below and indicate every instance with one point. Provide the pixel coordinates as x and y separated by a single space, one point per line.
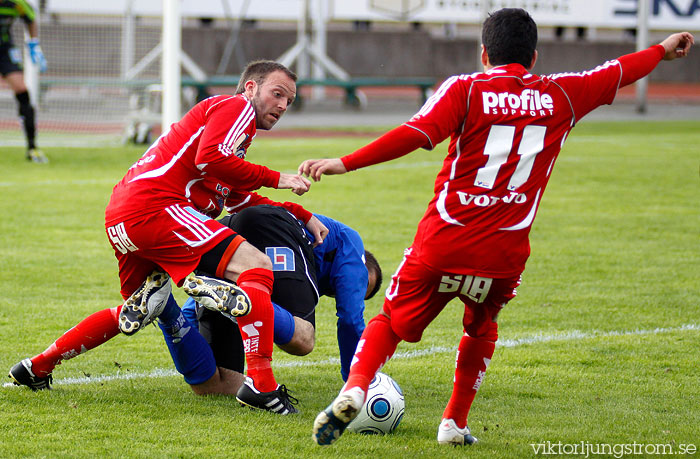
60 182
574 335
113 181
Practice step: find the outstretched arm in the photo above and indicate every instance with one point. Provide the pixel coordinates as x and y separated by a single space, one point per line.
640 64
398 142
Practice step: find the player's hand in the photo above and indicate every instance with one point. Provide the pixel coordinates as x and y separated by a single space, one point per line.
36 55
298 184
318 230
677 45
315 168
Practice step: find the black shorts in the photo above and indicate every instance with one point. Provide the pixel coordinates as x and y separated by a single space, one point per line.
277 233
10 60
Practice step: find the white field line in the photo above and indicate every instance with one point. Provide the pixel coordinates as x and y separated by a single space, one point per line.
55 183
574 335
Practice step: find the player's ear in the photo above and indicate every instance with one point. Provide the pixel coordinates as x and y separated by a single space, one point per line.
250 88
484 57
534 59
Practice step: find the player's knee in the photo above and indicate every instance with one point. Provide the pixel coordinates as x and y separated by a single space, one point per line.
259 260
298 348
406 333
487 331
303 340
202 379
264 262
404 328
246 258
201 389
223 381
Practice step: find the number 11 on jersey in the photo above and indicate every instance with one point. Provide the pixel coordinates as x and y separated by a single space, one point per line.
498 147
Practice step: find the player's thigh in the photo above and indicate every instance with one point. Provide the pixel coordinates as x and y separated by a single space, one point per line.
483 299
133 271
246 257
174 238
413 299
16 82
215 262
11 67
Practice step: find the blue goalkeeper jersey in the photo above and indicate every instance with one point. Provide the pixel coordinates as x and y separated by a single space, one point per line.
342 274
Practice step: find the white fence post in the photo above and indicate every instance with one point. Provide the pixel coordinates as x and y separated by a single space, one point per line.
171 74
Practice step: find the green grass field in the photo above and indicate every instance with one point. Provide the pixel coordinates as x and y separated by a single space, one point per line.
600 346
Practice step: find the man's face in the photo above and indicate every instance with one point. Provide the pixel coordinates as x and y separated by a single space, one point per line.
271 98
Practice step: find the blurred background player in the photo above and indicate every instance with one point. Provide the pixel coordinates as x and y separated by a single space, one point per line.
506 128
11 67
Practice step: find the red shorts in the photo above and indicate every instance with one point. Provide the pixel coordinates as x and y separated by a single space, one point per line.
174 239
417 294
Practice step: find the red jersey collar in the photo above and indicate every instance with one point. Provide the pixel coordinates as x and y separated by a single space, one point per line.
510 69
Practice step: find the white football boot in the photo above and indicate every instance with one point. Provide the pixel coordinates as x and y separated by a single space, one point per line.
450 434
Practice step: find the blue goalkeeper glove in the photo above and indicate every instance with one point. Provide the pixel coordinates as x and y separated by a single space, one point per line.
36 54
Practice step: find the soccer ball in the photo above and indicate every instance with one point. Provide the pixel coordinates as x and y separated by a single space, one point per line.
383 409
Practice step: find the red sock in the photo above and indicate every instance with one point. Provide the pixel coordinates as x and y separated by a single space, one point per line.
376 346
92 331
473 356
257 328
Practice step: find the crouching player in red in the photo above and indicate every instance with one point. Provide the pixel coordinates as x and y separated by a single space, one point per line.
506 128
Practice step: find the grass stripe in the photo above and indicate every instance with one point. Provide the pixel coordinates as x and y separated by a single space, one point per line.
574 335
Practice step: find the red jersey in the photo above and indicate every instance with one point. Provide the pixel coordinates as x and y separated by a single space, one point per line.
506 129
199 161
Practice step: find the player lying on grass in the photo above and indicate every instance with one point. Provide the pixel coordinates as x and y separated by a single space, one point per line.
340 268
343 269
506 128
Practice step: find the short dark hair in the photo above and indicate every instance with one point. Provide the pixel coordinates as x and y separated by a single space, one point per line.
510 36
373 266
259 70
